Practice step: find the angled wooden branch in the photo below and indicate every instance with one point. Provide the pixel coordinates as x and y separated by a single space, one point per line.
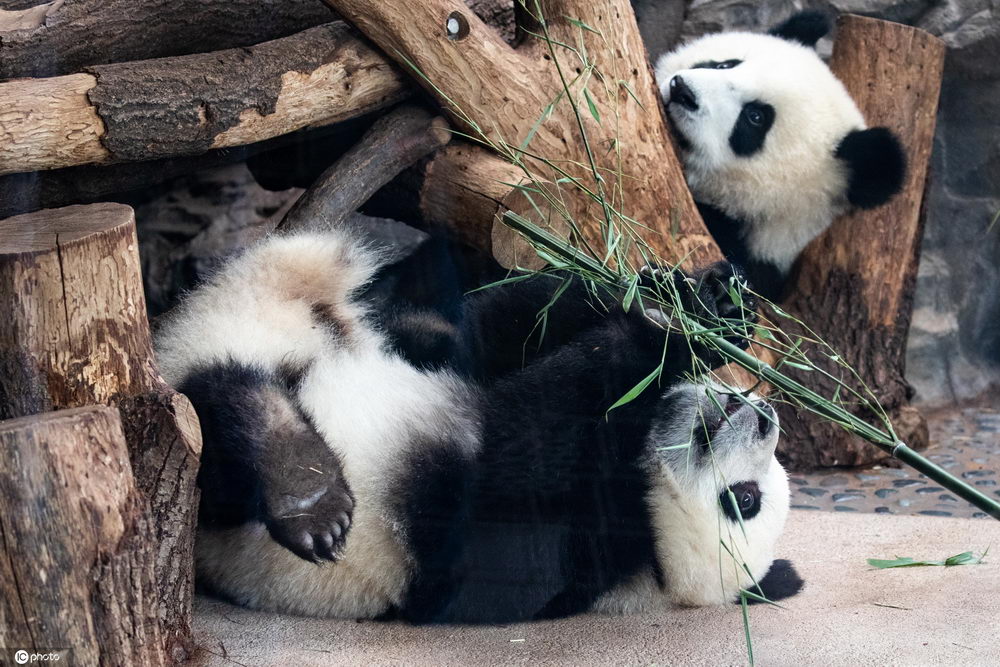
854 284
487 86
393 143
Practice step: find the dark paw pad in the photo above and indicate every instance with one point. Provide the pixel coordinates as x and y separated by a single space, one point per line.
313 526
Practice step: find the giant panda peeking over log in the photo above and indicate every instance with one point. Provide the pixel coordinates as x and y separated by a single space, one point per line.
773 146
450 464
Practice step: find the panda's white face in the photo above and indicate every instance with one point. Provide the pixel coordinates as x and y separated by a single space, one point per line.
758 119
713 444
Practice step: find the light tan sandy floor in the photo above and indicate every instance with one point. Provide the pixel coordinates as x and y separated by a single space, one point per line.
946 616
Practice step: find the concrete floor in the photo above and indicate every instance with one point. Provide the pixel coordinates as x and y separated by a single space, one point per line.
848 614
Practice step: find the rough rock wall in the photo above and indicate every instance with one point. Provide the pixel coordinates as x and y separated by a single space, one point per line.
954 346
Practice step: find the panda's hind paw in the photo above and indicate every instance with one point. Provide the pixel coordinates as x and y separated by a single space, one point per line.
314 527
306 502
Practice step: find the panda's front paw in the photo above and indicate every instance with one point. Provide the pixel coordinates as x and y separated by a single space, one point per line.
312 526
721 291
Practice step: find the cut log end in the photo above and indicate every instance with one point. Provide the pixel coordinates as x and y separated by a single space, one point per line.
42 231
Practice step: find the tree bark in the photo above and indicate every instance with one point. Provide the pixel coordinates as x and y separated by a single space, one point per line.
486 85
854 284
76 547
63 36
187 105
74 333
393 143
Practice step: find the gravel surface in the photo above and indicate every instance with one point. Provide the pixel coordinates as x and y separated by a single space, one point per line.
966 442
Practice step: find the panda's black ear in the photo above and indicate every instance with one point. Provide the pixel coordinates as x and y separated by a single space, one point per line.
803 27
781 581
876 166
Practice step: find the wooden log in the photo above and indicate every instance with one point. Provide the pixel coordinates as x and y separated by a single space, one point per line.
76 547
190 104
64 36
466 190
40 38
485 84
286 157
854 284
393 143
74 333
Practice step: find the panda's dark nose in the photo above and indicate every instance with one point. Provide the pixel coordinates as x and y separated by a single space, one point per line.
765 418
682 94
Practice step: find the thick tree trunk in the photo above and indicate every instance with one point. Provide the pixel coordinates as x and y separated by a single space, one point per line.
187 105
486 85
854 284
63 36
74 333
76 546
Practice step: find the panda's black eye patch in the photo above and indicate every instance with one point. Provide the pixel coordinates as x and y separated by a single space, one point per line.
751 128
748 497
717 64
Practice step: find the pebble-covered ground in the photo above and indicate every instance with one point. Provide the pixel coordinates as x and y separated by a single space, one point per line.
965 441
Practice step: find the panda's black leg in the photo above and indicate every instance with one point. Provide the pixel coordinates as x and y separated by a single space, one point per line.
537 417
262 460
540 421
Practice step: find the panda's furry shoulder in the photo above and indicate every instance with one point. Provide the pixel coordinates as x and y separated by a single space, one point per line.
353 469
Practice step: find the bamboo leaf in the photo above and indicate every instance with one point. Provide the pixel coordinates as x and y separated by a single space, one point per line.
736 510
746 627
628 89
667 448
734 294
630 293
964 558
634 392
580 24
592 107
801 367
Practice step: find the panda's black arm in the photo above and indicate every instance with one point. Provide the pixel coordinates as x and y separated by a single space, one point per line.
765 278
263 461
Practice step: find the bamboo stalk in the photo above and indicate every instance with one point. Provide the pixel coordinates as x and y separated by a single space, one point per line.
809 399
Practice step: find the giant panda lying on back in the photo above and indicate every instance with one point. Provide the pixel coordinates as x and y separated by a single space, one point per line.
462 470
772 145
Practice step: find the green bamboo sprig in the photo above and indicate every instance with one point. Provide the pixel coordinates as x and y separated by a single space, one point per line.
566 256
